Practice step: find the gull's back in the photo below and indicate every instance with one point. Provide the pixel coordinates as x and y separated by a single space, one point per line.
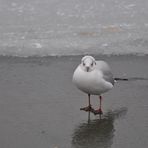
107 74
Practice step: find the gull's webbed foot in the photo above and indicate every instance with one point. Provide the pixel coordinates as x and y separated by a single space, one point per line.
98 111
87 109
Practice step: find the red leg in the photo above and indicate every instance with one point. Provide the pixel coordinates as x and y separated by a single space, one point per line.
100 97
99 111
88 108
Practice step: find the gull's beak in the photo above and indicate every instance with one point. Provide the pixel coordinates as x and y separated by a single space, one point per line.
87 69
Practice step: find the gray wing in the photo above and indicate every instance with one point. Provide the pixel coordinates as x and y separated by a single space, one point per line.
107 74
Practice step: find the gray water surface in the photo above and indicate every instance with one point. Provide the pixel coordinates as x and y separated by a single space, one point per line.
40 107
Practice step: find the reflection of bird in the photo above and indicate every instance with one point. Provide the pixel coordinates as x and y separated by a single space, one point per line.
94 78
97 133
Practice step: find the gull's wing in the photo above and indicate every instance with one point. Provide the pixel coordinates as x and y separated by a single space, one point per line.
107 74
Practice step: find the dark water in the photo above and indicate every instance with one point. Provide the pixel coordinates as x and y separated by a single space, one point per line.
98 132
40 107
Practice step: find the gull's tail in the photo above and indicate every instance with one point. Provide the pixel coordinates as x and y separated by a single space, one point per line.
130 79
121 79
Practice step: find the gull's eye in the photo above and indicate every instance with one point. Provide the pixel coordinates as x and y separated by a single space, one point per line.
91 64
83 64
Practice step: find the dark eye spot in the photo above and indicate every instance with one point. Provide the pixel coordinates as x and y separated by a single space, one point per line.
91 64
83 64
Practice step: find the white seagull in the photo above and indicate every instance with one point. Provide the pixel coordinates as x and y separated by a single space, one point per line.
94 78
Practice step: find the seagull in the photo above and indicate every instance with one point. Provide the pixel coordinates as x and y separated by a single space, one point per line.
93 78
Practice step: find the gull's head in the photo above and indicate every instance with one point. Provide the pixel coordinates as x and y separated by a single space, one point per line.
88 63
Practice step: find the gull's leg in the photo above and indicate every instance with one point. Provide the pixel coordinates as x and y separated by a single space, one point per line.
99 111
88 108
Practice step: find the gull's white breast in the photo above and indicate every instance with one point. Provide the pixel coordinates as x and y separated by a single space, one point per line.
91 82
